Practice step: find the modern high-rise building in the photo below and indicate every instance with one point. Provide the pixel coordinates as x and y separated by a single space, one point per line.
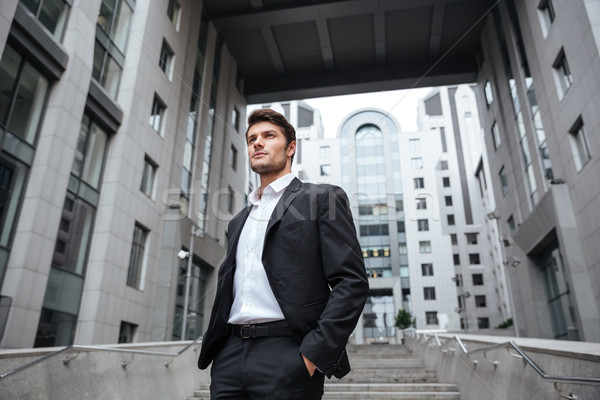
540 95
415 200
122 147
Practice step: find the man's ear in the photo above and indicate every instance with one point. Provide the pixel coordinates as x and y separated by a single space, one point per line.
291 149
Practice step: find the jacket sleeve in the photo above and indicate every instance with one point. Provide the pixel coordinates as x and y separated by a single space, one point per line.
344 269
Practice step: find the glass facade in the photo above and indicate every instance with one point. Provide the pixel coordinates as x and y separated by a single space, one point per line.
199 278
112 31
65 284
22 100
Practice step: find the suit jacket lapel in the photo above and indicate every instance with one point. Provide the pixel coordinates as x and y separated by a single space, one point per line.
282 205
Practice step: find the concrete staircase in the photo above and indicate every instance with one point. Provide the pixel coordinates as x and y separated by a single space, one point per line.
388 372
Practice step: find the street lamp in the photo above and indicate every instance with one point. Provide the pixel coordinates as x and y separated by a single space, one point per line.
182 255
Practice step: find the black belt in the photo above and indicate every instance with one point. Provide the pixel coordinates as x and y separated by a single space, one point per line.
267 329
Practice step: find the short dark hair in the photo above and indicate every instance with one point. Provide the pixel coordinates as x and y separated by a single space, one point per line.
268 115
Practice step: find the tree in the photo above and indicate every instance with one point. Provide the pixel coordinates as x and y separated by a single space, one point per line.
403 319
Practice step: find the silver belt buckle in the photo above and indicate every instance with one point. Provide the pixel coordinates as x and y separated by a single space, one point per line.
251 328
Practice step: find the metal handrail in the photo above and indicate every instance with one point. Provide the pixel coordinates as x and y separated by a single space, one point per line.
100 348
411 332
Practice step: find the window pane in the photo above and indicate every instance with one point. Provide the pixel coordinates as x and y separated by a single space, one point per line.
98 59
28 104
111 76
9 67
106 15
53 16
32 5
63 292
73 237
12 176
55 329
96 144
121 26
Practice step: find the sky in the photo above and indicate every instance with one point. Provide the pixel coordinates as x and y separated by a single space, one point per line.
402 104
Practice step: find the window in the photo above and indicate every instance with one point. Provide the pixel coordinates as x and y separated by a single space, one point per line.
73 237
423 225
230 200
419 183
562 74
136 259
427 269
483 323
444 165
52 14
480 301
448 200
148 174
399 203
453 239
489 96
579 145
89 155
23 95
235 118
324 152
374 230
471 238
511 225
127 332
402 249
474 259
429 293
503 181
414 144
477 279
446 181
174 13
233 155
458 280
431 317
55 328
456 258
166 60
546 15
401 227
417 163
157 115
496 135
450 218
421 203
111 38
325 170
425 246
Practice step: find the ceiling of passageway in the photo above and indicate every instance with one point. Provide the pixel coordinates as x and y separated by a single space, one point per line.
294 49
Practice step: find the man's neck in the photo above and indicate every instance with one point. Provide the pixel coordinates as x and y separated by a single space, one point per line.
267 179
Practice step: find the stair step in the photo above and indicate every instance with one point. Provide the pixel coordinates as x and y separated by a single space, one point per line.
380 372
392 396
390 387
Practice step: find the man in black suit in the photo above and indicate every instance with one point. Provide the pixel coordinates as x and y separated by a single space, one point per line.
293 284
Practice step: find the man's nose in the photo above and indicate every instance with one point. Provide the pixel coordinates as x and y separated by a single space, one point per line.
258 142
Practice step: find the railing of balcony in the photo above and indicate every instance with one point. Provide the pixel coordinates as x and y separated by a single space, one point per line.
434 340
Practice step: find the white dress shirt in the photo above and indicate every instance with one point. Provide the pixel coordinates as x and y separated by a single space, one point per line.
253 299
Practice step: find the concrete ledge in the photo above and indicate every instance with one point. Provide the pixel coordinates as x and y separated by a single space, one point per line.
511 378
97 374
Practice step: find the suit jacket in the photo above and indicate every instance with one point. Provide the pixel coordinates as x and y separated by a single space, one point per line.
315 268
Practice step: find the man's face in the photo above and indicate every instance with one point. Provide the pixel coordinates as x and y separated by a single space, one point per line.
267 149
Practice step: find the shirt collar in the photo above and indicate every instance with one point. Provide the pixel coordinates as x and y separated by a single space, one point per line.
276 186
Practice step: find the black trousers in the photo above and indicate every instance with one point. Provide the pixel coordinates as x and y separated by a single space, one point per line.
269 368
